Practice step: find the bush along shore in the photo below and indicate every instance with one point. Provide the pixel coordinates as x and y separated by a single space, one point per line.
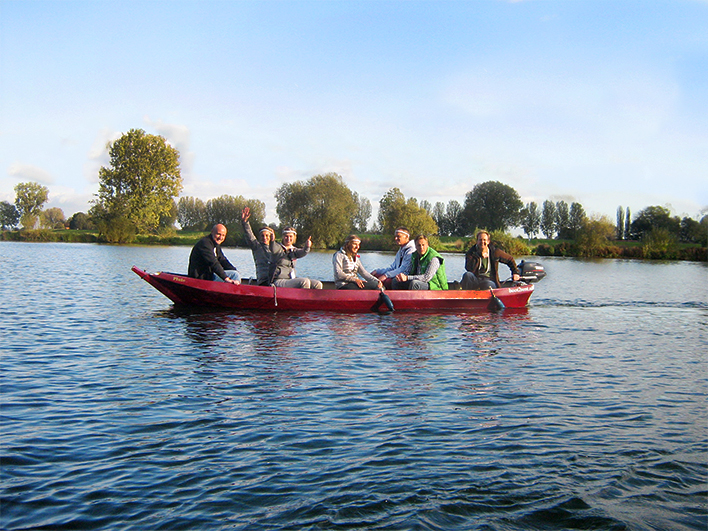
652 250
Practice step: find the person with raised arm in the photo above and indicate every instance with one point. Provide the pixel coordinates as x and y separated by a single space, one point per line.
260 248
282 267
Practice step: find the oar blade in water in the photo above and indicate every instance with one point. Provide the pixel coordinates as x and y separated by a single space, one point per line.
495 304
385 299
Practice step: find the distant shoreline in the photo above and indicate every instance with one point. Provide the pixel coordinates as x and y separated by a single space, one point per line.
376 242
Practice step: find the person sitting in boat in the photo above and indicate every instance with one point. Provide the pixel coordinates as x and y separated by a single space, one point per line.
207 261
282 267
402 260
482 265
348 267
427 270
260 248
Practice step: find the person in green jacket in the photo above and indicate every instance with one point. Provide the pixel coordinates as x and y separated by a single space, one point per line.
427 269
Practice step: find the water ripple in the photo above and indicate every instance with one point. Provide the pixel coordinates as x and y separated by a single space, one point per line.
122 412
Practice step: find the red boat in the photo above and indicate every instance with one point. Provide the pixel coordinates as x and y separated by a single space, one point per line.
184 290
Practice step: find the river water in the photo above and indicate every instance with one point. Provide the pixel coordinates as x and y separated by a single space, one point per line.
586 411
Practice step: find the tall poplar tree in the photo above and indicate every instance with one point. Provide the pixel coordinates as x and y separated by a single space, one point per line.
620 223
627 225
578 218
530 219
548 219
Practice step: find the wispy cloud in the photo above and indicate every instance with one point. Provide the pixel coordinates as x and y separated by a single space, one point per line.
27 172
178 136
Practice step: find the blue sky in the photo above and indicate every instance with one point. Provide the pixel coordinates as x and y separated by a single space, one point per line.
601 102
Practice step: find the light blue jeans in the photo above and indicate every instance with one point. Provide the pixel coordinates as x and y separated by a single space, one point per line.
230 273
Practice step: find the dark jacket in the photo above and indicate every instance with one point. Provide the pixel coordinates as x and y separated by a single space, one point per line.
206 259
473 261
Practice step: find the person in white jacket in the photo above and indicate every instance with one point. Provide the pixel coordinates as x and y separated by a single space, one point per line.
348 267
402 260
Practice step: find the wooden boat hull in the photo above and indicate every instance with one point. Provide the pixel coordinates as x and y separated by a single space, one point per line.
183 290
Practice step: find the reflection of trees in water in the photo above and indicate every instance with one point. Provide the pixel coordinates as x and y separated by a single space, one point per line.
404 335
268 360
420 335
491 333
204 327
249 355
412 333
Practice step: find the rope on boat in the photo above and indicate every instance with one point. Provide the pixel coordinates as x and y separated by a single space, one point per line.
275 294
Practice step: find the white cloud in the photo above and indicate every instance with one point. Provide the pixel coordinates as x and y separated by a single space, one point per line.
178 136
98 154
69 200
27 172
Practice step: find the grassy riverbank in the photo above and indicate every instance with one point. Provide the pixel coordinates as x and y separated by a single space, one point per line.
380 242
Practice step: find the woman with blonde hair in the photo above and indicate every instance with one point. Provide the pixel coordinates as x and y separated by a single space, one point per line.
348 267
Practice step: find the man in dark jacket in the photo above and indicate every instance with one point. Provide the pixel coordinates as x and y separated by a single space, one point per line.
481 263
208 262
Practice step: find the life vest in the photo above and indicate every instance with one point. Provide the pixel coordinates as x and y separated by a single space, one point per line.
421 263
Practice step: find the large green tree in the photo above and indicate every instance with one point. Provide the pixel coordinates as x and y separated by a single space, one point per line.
9 216
52 218
81 221
493 206
141 183
396 211
322 207
691 231
655 217
29 199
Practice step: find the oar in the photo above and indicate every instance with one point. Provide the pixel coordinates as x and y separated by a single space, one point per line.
385 299
495 304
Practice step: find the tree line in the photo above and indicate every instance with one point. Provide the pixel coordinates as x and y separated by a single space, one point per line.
138 194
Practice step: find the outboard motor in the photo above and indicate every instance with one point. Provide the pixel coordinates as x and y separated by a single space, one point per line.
531 271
